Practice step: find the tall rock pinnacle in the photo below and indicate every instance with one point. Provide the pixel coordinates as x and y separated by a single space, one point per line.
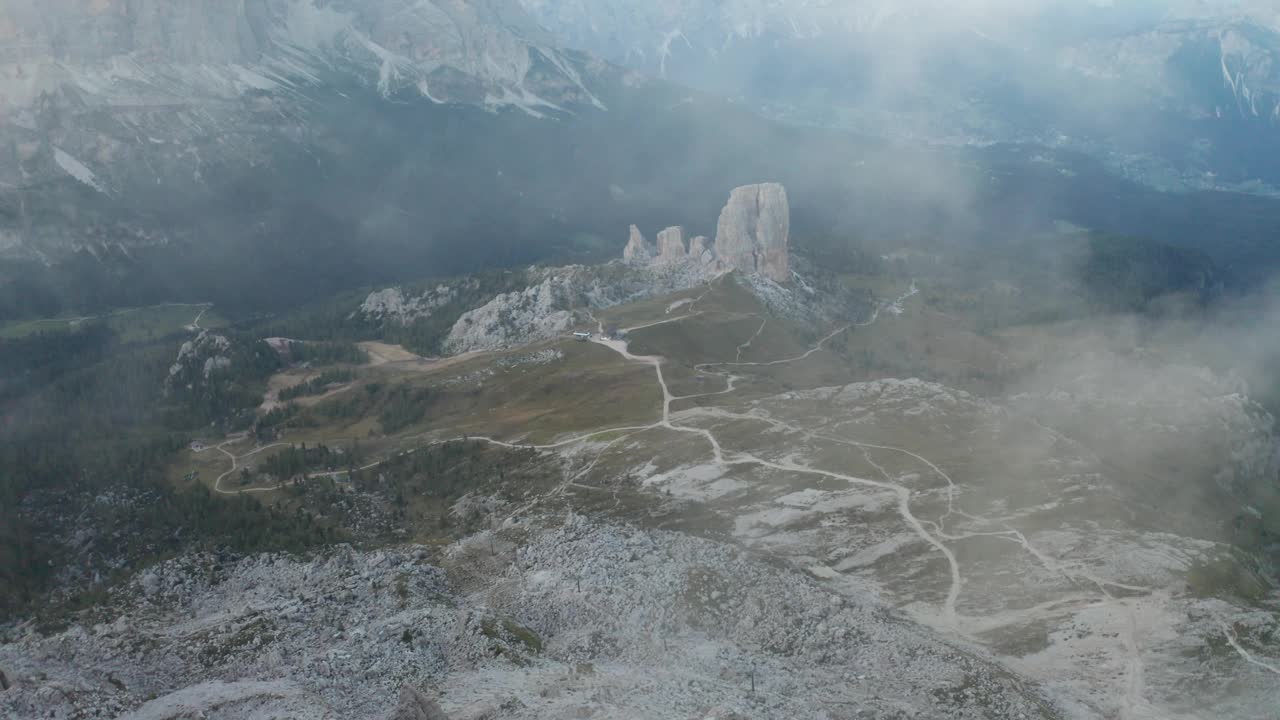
671 246
638 249
754 231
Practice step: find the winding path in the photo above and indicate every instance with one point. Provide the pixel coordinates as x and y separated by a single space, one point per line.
235 465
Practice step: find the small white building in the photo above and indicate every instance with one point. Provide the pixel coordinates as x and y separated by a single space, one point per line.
583 336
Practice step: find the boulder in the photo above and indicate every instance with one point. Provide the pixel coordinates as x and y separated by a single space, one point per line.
754 231
638 249
671 245
414 705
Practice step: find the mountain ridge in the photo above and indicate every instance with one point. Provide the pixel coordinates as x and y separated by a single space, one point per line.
1059 74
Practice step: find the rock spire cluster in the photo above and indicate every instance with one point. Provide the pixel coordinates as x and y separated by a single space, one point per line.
752 236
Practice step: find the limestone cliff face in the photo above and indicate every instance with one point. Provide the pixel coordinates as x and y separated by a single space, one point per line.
671 246
754 231
638 249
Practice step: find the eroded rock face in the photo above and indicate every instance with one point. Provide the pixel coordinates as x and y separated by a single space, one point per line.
516 318
700 251
638 248
392 305
754 231
752 236
559 298
197 360
671 246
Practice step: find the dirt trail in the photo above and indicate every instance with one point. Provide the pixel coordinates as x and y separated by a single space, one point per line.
738 357
235 465
195 324
659 322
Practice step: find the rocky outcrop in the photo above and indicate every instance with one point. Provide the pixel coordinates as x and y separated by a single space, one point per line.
700 251
394 306
754 231
671 246
557 299
753 236
197 360
416 706
638 249
516 318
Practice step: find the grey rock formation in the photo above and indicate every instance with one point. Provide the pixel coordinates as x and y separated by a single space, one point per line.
416 706
753 237
700 251
671 246
516 318
394 306
197 360
557 299
638 248
754 231
149 583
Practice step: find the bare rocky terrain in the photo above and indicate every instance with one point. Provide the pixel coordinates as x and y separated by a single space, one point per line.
564 617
